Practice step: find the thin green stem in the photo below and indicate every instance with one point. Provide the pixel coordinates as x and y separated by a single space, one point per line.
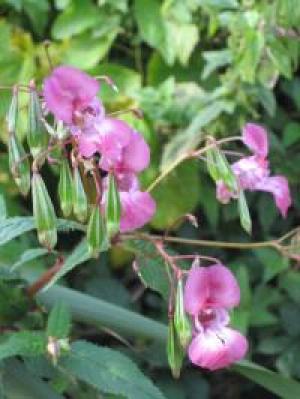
189 155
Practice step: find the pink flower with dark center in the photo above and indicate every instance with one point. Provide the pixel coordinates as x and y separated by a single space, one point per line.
209 293
69 93
253 172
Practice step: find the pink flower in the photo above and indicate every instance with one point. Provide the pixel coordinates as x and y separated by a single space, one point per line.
137 209
253 172
208 295
68 92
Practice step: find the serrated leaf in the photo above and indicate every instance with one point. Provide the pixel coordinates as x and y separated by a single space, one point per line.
28 256
14 227
25 343
79 255
151 266
75 19
59 321
187 140
109 371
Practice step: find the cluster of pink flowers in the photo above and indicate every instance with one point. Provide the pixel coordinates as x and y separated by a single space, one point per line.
253 172
210 292
71 96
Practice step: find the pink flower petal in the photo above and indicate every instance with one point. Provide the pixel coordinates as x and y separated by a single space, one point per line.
210 287
114 136
223 287
256 139
68 89
215 349
136 155
196 290
279 187
137 209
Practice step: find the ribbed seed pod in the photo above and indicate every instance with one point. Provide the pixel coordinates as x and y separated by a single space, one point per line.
65 188
19 164
175 352
181 320
37 135
113 207
43 212
80 203
12 115
96 232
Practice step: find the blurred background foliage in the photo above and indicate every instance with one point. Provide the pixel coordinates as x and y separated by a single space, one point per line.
194 67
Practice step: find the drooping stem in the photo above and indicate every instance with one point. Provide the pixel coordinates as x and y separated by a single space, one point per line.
189 155
39 284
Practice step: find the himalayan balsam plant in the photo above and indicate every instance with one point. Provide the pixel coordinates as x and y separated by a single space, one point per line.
99 159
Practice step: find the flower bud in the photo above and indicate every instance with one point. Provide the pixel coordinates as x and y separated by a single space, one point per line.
96 232
12 115
245 217
18 164
43 212
37 136
181 320
65 188
113 207
55 347
80 204
175 352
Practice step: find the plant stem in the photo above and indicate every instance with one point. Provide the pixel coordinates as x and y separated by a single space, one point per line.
189 155
99 313
205 243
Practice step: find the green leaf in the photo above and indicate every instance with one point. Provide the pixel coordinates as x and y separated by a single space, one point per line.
290 283
284 387
151 25
281 58
127 81
14 227
245 217
176 195
3 211
182 39
291 134
85 57
59 321
251 54
25 343
109 371
79 255
29 255
215 59
151 267
75 19
273 262
187 140
19 383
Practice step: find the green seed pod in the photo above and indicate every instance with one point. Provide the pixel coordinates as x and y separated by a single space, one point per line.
212 164
80 204
113 207
96 232
181 320
245 217
225 172
12 115
175 352
65 188
43 212
19 164
37 135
